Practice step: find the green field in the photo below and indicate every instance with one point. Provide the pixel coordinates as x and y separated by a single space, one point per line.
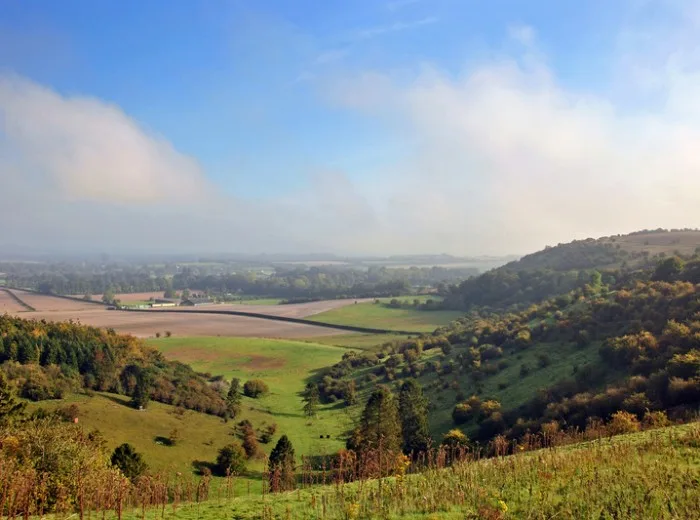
653 474
358 340
257 301
285 366
377 315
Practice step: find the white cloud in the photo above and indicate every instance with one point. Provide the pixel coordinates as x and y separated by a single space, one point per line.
509 159
91 150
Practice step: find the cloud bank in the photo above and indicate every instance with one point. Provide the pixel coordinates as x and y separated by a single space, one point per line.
503 157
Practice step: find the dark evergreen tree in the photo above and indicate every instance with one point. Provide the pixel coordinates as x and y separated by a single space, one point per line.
281 465
380 426
311 400
128 461
413 410
10 407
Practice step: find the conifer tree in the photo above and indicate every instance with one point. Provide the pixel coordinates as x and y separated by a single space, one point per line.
281 465
10 407
380 426
413 410
311 400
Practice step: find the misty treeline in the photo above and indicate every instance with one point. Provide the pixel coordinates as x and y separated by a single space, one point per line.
284 282
47 360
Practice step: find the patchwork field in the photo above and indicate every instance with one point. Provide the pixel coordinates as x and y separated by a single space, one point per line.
148 324
380 316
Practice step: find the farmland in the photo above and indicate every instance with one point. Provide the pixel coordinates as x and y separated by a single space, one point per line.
148 324
378 315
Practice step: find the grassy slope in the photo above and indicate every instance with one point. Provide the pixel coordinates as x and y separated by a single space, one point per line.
653 474
285 366
379 316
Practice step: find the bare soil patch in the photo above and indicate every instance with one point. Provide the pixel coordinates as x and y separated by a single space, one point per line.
9 305
46 303
147 324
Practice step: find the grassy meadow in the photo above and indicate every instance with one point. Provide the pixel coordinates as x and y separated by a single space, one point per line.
652 474
378 315
358 340
285 366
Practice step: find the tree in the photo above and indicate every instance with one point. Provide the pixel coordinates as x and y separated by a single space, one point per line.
87 296
311 399
281 465
233 397
108 297
250 441
10 407
668 270
255 388
413 410
380 426
185 294
128 461
231 460
174 436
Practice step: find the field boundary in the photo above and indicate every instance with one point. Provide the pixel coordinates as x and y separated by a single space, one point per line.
301 321
53 295
18 299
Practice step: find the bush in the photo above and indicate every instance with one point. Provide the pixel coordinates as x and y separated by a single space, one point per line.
131 464
623 422
255 388
231 460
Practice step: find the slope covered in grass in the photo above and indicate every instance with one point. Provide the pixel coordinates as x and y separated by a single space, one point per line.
286 367
654 474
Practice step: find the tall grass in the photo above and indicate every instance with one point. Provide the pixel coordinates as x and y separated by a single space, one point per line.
652 474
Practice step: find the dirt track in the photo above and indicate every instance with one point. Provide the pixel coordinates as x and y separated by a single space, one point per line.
181 324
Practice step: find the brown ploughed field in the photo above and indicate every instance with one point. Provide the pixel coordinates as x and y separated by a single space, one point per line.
8 304
146 324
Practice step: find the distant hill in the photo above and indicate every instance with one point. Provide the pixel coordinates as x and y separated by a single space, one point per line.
564 267
611 252
615 343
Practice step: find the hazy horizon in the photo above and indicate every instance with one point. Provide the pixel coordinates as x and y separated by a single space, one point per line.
379 128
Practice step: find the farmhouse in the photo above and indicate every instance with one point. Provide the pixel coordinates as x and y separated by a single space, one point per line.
164 302
196 302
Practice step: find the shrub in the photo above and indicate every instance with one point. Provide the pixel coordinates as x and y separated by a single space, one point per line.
455 439
131 464
655 420
255 388
231 460
623 422
524 370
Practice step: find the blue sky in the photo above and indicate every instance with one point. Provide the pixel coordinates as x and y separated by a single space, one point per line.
345 126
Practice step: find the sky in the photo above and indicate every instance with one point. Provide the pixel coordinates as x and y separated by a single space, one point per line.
466 127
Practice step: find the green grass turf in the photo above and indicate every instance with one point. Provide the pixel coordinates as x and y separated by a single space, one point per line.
376 315
286 367
358 340
258 301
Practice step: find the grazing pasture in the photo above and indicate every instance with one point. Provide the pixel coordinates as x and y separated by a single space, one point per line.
378 315
286 367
